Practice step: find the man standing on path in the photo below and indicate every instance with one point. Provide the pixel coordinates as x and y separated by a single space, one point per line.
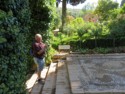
38 49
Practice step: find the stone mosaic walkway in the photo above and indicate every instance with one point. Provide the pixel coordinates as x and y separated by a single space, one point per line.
97 74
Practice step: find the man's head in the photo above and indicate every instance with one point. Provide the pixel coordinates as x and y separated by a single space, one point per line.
38 37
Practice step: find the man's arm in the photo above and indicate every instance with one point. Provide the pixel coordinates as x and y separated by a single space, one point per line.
42 50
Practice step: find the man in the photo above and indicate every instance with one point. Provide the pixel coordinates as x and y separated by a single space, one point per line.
38 49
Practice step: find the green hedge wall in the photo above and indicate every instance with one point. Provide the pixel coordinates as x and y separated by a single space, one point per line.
14 20
20 20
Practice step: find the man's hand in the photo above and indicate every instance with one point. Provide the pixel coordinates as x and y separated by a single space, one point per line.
41 51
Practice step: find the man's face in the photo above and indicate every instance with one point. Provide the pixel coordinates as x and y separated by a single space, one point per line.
38 39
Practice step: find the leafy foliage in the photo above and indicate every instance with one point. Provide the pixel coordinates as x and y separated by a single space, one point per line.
117 26
14 20
104 8
72 25
103 27
122 10
16 16
42 14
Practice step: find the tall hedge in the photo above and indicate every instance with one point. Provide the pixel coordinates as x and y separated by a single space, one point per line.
42 14
14 26
19 21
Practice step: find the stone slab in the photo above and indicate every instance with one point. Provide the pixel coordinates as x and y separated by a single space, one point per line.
30 83
49 85
62 83
74 76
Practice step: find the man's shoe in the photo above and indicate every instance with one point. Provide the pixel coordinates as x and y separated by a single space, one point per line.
41 81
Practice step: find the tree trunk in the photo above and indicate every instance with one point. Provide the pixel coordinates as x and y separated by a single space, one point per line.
63 13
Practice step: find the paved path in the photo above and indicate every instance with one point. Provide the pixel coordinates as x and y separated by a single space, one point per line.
97 74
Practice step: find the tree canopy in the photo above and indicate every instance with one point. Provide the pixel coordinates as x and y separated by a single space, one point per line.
72 2
104 7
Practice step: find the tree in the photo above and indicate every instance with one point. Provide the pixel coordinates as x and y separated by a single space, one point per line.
104 7
64 2
63 13
96 30
117 27
72 2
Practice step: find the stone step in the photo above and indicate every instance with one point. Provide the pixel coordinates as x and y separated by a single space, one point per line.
38 86
59 56
81 73
30 83
49 86
62 81
74 71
